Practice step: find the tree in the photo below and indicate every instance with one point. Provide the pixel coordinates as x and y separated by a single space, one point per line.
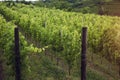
84 6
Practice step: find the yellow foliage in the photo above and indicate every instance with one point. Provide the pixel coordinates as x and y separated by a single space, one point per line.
110 43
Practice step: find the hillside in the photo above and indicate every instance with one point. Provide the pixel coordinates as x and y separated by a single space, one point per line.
112 8
61 32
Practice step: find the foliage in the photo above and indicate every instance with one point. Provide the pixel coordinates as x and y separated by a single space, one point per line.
42 68
110 44
59 29
84 6
54 27
7 49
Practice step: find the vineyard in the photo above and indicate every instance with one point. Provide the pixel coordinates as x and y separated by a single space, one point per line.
50 43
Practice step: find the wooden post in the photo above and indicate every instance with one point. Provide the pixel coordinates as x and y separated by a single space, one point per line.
1 70
118 65
17 56
83 53
57 60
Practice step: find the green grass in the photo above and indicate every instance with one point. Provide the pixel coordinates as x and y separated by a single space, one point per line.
94 75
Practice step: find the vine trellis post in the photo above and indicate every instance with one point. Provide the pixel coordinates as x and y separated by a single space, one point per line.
83 53
17 55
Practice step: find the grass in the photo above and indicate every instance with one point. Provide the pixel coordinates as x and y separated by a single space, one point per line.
102 66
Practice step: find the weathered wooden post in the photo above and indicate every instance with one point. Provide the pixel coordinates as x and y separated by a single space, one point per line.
118 63
83 53
101 8
17 56
1 70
